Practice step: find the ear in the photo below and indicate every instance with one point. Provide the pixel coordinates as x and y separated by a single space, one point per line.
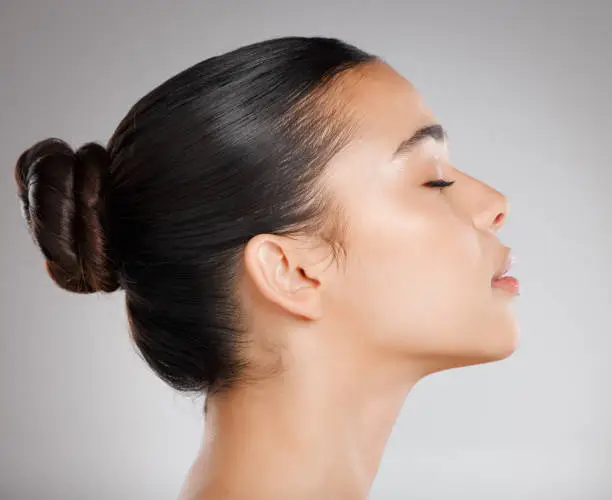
279 271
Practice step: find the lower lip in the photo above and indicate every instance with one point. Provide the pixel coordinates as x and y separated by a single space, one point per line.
507 283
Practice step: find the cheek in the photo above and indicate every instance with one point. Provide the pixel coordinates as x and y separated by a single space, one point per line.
421 277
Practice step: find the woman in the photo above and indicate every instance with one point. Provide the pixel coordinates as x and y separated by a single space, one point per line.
294 242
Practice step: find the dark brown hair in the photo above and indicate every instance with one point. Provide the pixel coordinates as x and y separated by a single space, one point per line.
230 148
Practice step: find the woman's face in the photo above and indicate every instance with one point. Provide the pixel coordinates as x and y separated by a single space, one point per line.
416 280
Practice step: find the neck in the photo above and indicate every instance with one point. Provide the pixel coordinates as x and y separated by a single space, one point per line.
320 428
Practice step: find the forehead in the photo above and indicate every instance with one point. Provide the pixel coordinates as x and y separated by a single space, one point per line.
384 107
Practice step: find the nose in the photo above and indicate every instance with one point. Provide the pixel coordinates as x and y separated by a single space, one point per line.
492 210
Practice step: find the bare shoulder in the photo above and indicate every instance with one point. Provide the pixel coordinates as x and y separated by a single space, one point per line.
201 492
194 487
195 491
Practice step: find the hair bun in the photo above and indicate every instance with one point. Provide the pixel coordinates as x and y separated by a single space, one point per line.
62 197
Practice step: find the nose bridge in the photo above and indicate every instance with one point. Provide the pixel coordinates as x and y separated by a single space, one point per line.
488 207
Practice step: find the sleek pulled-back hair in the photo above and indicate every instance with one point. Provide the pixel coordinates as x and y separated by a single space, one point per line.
229 148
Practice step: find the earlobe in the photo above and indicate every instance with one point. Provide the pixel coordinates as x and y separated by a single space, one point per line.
272 263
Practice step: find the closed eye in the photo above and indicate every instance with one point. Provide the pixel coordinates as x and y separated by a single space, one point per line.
439 183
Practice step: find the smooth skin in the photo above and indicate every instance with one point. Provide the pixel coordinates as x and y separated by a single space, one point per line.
412 296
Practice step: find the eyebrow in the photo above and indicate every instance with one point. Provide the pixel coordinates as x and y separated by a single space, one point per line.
435 132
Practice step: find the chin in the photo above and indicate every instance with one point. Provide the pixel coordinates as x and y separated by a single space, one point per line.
497 348
508 339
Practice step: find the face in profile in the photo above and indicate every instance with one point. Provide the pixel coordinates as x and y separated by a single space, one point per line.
416 280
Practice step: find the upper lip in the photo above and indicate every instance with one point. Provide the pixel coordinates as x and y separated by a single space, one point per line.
505 266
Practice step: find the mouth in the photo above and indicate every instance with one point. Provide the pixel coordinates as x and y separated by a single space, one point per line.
504 282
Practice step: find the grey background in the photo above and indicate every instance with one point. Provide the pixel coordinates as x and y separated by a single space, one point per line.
524 90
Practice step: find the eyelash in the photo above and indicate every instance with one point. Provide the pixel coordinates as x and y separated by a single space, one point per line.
439 183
